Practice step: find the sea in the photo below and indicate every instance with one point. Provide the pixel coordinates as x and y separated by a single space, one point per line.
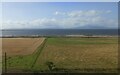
58 32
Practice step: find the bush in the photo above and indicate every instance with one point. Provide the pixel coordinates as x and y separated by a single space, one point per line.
50 65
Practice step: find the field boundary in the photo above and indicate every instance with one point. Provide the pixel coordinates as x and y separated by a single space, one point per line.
40 48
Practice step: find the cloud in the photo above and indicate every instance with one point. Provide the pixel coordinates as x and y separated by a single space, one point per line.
59 13
81 13
74 19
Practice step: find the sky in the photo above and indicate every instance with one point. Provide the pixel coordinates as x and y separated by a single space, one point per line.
59 15
59 0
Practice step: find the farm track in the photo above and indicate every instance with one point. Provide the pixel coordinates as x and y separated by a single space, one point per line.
40 48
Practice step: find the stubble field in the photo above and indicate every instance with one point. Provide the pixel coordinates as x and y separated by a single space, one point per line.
20 46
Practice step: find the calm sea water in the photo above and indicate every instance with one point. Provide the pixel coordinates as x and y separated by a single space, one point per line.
59 32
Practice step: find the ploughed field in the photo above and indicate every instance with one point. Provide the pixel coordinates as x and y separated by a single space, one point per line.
66 54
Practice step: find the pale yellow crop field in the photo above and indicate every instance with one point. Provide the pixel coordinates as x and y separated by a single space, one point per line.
20 46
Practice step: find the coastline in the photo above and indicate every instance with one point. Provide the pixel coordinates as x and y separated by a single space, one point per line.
67 36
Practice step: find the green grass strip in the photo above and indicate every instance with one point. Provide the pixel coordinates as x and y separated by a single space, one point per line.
40 48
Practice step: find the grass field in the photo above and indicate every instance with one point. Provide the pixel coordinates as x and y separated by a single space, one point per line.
69 53
79 53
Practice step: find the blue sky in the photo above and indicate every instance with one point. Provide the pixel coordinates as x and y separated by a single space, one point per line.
52 15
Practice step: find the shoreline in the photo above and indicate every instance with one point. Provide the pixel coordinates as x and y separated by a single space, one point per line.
67 36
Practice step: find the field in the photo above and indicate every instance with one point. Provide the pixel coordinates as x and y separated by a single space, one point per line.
79 53
0 55
68 54
20 46
21 52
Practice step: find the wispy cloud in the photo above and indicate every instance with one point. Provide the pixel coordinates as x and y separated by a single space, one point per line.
80 13
73 19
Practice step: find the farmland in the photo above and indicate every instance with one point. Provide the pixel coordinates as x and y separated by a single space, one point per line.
20 46
21 52
65 53
79 53
0 55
